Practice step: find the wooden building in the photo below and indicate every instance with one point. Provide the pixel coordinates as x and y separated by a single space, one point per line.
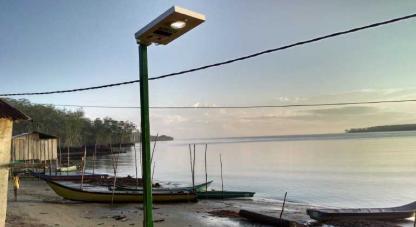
8 114
34 146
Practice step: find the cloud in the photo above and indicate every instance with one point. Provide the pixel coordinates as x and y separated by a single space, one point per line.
342 111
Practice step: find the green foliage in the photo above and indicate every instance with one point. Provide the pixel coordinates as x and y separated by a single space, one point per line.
72 127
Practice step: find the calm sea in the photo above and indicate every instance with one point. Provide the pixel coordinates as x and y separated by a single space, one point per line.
341 170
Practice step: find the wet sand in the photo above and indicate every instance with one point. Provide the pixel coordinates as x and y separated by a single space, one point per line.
38 205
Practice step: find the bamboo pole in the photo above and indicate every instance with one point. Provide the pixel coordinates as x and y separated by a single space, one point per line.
60 152
206 172
67 159
193 170
192 166
135 165
44 157
154 146
140 154
49 157
151 157
283 206
153 170
222 180
84 161
94 158
115 165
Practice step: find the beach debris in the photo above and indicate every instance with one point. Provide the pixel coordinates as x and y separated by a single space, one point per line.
121 217
224 213
159 220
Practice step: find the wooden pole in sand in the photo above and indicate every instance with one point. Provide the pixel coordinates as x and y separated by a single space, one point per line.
222 180
193 170
192 166
135 165
94 157
115 165
153 153
84 160
206 172
60 153
154 147
283 206
67 158
153 170
49 157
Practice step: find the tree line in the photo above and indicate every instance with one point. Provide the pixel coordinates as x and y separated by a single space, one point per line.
72 127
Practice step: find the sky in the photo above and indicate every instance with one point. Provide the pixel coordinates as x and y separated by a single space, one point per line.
57 44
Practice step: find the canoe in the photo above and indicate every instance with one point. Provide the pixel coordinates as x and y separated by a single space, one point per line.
198 188
224 194
72 177
77 194
391 213
67 169
267 219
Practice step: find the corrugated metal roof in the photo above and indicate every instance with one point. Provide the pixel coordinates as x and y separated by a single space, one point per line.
8 111
41 135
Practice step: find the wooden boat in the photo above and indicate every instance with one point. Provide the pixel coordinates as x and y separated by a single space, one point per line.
67 169
72 193
391 213
267 219
198 188
224 194
72 177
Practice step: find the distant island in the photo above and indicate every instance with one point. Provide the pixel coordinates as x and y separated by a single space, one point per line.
384 128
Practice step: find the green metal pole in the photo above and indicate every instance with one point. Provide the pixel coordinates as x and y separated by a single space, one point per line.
145 128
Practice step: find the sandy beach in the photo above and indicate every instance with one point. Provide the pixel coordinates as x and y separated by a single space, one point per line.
38 205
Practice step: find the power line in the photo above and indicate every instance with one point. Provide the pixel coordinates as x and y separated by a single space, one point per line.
223 62
236 107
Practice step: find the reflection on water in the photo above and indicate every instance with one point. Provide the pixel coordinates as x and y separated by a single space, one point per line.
374 169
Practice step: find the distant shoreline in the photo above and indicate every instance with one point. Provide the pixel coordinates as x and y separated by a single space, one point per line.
384 128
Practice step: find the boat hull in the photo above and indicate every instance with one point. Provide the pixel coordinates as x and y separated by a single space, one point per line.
75 177
198 188
224 194
390 213
123 197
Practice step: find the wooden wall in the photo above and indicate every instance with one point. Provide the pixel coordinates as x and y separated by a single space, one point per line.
6 126
30 147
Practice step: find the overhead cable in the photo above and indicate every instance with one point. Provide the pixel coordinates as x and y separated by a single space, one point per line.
220 63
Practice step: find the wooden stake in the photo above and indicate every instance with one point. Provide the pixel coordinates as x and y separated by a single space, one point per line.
135 165
206 172
222 180
193 171
154 146
283 206
153 153
115 164
67 159
192 167
94 157
84 159
153 170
